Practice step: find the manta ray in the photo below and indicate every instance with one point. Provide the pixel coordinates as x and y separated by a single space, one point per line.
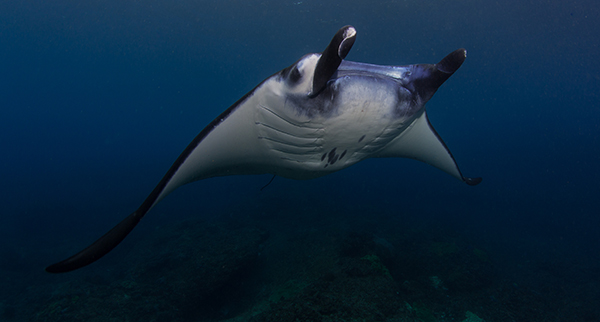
320 115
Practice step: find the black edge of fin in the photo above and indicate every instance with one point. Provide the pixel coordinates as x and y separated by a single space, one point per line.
332 57
445 68
472 181
467 180
99 248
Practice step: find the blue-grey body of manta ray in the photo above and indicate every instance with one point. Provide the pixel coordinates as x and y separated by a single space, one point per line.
320 115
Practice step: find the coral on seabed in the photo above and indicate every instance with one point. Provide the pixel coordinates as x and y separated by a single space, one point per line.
471 317
377 264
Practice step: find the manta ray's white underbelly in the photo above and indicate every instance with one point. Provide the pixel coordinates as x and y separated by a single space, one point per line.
305 147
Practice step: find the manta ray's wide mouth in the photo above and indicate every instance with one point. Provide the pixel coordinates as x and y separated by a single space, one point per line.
366 77
348 68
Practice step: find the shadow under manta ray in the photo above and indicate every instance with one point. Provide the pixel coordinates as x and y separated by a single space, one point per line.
320 115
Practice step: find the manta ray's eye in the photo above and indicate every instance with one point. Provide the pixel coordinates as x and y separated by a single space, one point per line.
294 75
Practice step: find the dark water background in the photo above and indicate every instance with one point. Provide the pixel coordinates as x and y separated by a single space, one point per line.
98 98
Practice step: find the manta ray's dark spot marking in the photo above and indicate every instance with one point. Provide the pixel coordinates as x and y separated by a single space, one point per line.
361 138
343 154
331 154
332 157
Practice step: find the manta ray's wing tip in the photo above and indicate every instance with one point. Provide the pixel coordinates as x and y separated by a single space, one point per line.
100 247
472 181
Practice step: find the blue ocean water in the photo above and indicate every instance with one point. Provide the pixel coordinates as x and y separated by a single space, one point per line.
97 99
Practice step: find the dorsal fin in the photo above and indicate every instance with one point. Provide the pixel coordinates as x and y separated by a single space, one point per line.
332 57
